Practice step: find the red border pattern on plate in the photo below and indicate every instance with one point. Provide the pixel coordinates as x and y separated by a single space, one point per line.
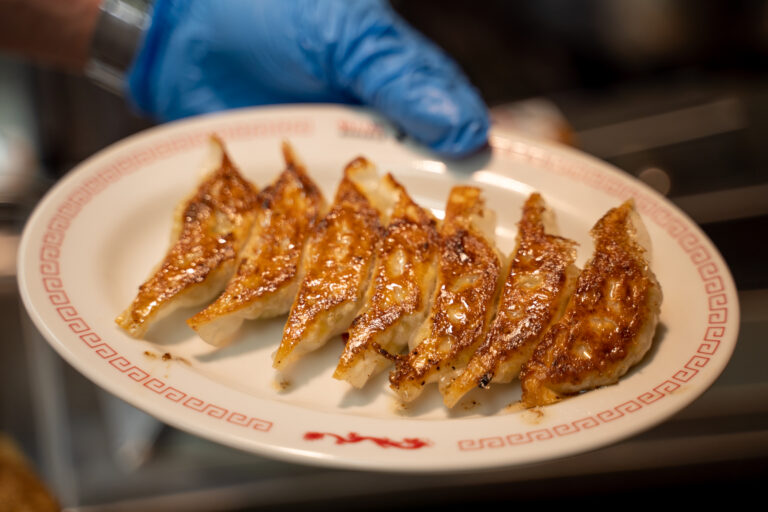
126 164
708 271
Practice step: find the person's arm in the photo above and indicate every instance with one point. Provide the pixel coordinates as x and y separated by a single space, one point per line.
54 32
207 55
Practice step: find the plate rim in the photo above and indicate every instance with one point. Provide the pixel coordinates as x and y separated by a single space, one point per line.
323 457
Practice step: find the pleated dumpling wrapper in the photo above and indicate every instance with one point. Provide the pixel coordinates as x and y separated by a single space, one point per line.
268 268
337 265
401 289
610 320
540 280
209 230
468 279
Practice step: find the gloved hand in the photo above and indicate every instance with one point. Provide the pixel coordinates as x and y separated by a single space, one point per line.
207 55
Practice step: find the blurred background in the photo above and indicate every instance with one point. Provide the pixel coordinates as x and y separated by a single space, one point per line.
673 92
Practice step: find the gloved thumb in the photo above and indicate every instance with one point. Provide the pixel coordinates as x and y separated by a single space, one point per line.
387 64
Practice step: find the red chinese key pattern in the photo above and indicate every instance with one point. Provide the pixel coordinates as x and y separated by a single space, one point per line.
574 169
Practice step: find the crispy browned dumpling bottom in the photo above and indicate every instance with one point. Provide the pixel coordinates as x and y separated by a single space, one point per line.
609 322
211 228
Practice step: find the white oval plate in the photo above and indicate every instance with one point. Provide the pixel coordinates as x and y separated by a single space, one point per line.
97 235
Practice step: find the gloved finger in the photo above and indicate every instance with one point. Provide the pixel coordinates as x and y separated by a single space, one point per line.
387 64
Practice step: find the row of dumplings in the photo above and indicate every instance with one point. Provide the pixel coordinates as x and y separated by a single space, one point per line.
435 301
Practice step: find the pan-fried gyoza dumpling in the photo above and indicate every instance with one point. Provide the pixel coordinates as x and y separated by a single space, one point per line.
468 276
337 265
210 228
540 280
610 320
400 291
268 268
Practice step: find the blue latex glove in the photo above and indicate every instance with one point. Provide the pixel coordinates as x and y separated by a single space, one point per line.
207 55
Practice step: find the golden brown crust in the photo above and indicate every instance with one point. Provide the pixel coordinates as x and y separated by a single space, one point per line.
540 280
21 490
608 323
402 285
337 263
468 275
289 210
215 223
